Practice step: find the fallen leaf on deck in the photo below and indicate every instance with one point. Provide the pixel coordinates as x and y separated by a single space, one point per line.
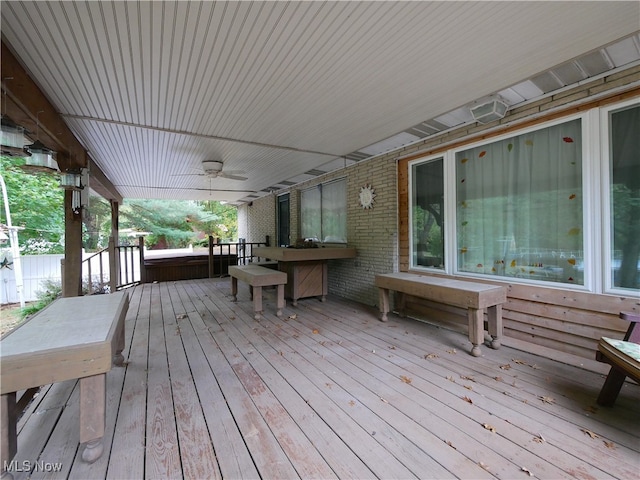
489 427
281 353
497 379
450 444
526 470
405 379
505 367
468 387
468 400
431 355
451 379
315 331
483 465
535 367
382 399
518 361
589 432
392 347
550 400
328 385
352 403
293 316
591 409
471 379
609 444
181 316
539 439
452 351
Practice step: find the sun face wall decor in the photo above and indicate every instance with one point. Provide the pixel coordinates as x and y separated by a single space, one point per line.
367 196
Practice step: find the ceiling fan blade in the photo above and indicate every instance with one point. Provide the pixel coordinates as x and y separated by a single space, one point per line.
231 177
189 175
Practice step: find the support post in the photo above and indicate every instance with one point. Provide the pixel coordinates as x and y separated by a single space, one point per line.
113 268
72 281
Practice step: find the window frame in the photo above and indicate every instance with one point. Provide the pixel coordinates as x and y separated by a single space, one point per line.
595 128
319 186
605 204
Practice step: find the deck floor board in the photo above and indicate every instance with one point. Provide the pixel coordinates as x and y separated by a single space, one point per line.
326 391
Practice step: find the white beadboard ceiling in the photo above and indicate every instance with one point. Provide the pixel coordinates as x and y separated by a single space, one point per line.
284 90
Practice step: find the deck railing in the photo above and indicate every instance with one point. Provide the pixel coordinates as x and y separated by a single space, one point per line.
117 267
114 268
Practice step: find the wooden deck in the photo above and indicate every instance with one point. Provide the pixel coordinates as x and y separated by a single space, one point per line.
326 391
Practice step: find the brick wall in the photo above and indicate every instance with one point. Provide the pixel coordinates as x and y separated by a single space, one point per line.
380 234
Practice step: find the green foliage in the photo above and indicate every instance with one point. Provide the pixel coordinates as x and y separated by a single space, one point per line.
36 202
52 290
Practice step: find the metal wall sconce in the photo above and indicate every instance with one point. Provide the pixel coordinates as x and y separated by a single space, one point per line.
71 181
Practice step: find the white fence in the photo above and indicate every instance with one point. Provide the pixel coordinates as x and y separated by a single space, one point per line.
35 270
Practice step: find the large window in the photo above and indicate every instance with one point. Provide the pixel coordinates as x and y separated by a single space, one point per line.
624 184
525 207
324 212
428 214
519 206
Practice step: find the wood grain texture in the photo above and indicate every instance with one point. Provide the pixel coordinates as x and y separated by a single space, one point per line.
72 338
328 390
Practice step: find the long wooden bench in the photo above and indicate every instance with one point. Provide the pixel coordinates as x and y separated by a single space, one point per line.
73 338
257 277
475 297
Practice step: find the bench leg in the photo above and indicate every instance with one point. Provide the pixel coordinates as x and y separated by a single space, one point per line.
402 304
234 288
257 301
384 303
280 299
118 358
476 330
495 325
93 402
9 437
611 387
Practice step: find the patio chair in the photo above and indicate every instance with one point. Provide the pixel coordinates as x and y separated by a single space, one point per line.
624 358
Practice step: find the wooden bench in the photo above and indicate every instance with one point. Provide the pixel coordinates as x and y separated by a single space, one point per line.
77 337
257 277
475 297
624 358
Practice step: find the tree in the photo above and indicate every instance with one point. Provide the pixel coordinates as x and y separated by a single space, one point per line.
36 203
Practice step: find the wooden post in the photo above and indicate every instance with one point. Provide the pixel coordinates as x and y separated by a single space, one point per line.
211 268
8 435
72 282
143 273
113 269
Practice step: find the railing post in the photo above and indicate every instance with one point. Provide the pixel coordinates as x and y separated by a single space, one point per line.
89 282
113 267
143 273
211 268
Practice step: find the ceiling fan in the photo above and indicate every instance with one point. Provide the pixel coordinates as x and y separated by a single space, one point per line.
214 169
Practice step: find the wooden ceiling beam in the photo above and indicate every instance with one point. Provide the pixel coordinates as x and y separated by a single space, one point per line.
24 103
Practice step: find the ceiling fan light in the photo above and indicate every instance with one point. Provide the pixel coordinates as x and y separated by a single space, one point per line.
212 166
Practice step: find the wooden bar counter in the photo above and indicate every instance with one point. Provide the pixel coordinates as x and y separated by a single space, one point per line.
306 268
